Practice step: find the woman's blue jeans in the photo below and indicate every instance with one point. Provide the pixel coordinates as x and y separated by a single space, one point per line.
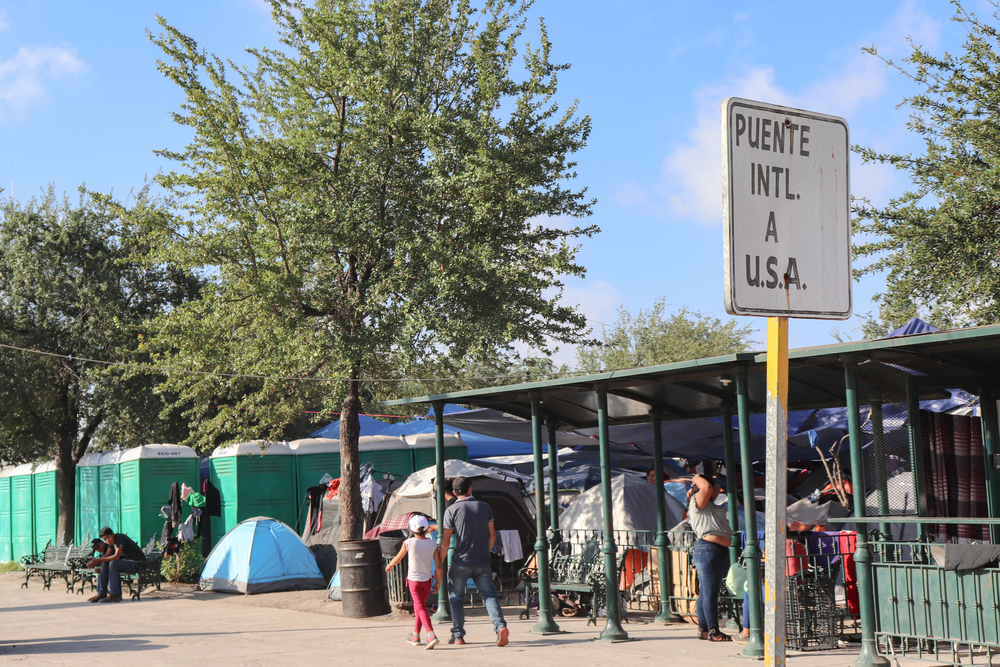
712 562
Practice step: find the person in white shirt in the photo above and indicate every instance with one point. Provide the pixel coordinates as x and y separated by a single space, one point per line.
425 562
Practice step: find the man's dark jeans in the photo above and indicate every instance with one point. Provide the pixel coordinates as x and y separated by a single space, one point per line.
109 582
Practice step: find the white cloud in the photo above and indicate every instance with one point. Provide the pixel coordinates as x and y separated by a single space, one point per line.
690 182
262 6
26 76
4 22
597 300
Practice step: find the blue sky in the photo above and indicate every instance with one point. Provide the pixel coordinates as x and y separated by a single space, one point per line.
81 101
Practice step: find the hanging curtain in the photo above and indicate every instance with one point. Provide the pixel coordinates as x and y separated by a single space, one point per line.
955 474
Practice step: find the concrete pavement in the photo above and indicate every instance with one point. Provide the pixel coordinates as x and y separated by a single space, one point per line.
180 625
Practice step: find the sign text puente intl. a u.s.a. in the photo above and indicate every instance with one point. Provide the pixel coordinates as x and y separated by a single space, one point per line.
786 187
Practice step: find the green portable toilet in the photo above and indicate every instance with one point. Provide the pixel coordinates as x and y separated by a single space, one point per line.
110 498
6 545
387 453
88 497
45 499
253 482
145 475
314 458
423 449
22 518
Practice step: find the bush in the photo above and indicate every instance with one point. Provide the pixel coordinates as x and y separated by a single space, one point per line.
10 566
184 566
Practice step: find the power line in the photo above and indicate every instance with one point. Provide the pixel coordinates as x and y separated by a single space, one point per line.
167 370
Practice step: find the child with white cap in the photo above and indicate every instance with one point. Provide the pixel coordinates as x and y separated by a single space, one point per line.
424 565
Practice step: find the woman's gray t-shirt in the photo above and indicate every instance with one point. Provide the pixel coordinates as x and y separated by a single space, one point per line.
470 519
713 520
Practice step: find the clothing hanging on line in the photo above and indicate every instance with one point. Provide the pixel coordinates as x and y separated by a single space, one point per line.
314 520
511 542
186 530
175 503
213 503
371 494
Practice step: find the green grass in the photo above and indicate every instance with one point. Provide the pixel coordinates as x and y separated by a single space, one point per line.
10 566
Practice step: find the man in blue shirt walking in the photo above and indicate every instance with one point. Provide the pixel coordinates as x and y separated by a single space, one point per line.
471 522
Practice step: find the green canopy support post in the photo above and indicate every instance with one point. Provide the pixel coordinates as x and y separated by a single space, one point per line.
991 448
443 613
881 483
613 631
730 460
915 433
863 555
554 536
751 550
666 614
546 625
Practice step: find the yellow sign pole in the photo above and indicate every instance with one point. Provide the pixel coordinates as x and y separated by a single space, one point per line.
776 492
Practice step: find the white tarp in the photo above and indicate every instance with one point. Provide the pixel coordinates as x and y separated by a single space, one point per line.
633 506
421 483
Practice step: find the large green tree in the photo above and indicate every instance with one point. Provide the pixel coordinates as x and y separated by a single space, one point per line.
654 336
939 243
370 197
72 287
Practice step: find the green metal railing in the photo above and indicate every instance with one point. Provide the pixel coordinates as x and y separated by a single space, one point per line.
924 611
638 588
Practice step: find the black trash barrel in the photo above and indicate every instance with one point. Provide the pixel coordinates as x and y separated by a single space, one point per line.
362 579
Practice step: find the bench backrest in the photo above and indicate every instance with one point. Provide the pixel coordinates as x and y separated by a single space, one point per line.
81 551
55 553
577 569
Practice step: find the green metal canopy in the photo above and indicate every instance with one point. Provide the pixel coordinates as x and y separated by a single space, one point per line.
699 388
897 371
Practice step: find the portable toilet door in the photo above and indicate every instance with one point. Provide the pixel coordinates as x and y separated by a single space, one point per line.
314 458
88 497
146 473
423 449
6 545
387 454
109 496
45 497
253 482
22 518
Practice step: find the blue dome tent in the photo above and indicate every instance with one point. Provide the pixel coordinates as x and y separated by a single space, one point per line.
260 555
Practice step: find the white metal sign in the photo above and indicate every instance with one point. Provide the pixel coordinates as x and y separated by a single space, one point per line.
786 200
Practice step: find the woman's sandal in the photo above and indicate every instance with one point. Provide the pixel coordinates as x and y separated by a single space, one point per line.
716 636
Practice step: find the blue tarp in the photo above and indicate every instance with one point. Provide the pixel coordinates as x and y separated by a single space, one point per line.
260 555
369 426
914 326
480 446
579 477
695 439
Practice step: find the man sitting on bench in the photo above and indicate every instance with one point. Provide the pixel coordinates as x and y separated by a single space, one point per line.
121 556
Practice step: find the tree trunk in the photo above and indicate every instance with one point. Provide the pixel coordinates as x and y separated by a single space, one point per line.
352 516
66 488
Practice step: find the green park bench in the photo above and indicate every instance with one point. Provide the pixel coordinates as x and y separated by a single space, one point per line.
147 573
57 561
581 573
